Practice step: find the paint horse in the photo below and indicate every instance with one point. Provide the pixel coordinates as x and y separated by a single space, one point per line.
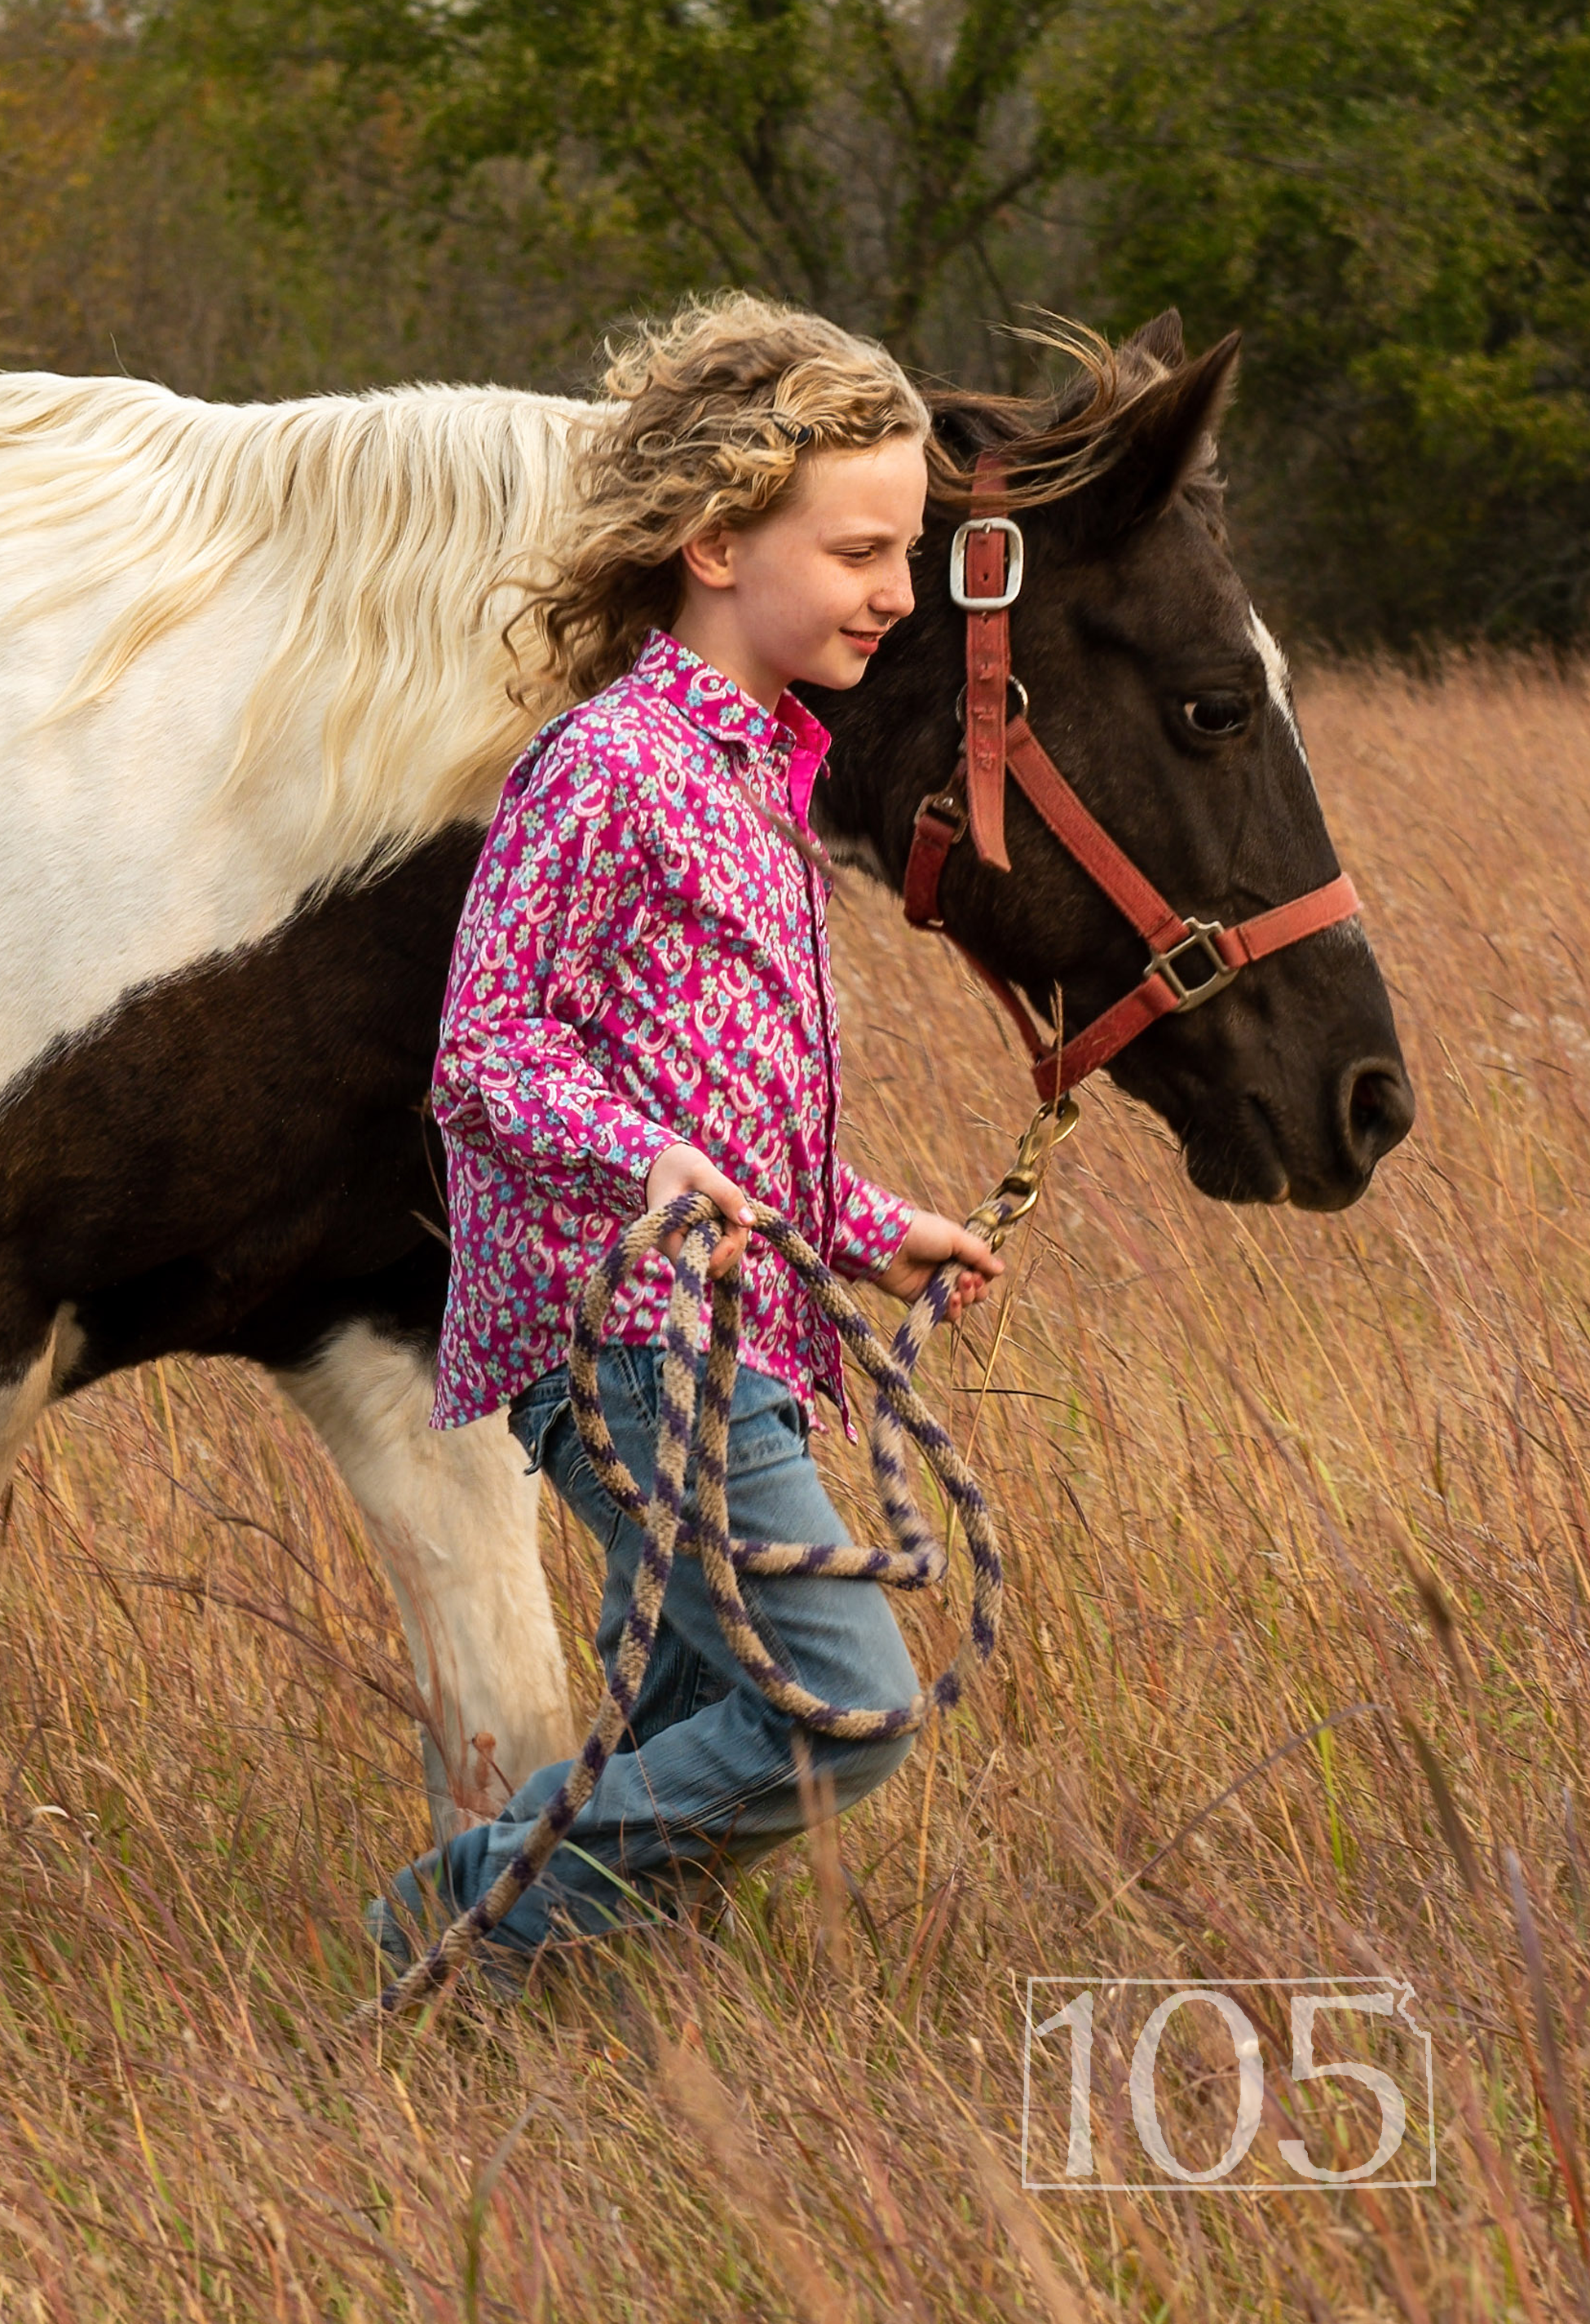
254 717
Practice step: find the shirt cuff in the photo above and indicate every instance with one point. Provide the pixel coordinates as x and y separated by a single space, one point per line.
872 1226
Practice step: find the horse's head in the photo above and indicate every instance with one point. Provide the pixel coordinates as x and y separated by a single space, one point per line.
1165 703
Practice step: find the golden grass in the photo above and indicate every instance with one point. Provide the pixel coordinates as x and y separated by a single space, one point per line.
1253 1470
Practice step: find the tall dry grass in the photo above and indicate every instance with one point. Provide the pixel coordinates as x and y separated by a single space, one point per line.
1255 1471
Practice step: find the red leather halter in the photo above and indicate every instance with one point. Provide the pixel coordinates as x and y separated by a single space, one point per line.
994 741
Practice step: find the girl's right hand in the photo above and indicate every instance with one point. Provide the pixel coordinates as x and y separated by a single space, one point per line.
685 1170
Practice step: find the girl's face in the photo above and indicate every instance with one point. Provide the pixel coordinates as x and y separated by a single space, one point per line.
809 590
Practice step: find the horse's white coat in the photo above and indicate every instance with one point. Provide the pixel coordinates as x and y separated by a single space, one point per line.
195 728
452 1516
109 879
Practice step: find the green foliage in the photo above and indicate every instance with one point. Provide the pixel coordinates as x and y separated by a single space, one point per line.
848 154
1391 198
239 224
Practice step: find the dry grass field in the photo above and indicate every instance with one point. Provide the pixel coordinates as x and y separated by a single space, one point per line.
1255 1472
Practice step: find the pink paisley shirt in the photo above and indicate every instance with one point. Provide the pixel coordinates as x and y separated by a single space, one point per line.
642 959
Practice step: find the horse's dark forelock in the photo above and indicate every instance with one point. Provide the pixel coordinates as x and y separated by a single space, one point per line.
1063 440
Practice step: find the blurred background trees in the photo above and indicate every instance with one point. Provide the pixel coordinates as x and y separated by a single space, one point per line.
1391 198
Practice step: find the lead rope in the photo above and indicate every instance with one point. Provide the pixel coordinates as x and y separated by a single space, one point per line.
919 1561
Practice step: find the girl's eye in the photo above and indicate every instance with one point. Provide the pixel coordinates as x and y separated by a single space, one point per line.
1219 714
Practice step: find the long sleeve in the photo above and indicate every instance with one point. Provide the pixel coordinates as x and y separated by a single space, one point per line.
558 906
641 961
871 1224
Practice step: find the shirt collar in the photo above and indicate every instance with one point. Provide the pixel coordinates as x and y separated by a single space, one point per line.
715 705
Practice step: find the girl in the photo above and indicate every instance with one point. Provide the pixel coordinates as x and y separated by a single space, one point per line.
640 1006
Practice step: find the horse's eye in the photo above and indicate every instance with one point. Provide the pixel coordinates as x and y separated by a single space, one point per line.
1215 714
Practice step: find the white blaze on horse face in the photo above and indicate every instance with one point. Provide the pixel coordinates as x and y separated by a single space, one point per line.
1347 933
1278 678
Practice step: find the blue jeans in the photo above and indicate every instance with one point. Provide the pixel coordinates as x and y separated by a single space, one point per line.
704 1777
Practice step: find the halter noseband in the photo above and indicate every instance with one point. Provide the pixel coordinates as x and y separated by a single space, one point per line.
1178 949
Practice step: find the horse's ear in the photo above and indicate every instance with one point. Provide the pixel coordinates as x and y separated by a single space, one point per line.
1161 437
1161 338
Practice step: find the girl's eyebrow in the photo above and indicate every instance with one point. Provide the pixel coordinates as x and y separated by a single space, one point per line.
859 531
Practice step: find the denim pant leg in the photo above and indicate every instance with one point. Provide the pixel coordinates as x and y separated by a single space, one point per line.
710 1777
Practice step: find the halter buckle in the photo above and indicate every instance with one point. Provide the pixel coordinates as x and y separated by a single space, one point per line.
1200 938
1018 558
949 808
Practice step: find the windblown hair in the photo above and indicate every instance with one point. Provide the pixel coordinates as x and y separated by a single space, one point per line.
712 414
372 526
1057 444
377 536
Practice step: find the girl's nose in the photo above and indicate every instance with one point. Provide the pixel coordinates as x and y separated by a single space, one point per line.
895 598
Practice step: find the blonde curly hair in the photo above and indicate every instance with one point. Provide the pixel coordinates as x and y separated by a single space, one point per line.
712 413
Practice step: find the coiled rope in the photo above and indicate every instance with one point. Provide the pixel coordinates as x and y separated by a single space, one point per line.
919 1560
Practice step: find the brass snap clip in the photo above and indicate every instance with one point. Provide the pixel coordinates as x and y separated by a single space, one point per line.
1017 1192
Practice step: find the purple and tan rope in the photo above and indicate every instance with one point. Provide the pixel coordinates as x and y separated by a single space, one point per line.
918 1561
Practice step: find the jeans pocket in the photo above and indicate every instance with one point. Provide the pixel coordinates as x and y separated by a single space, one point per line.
635 1371
767 1437
532 1417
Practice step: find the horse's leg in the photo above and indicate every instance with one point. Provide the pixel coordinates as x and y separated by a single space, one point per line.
30 1379
452 1516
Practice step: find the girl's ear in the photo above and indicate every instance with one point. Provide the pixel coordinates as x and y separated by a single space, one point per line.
709 558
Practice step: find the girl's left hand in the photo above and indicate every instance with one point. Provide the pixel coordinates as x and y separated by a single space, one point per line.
929 1241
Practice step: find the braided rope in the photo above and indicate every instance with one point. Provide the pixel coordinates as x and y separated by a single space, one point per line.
919 1560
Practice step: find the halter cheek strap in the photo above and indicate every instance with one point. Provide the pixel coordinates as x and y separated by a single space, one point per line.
1190 961
988 596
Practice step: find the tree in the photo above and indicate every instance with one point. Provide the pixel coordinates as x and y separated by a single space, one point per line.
1389 198
883 161
846 153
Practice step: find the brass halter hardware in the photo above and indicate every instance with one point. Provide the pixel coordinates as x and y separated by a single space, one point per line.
1017 1192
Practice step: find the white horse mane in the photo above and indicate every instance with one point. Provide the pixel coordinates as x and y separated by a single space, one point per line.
382 526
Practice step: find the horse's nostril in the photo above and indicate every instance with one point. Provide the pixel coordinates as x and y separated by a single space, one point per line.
1377 1108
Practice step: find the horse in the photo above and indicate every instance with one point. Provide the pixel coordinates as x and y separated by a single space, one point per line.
255 715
